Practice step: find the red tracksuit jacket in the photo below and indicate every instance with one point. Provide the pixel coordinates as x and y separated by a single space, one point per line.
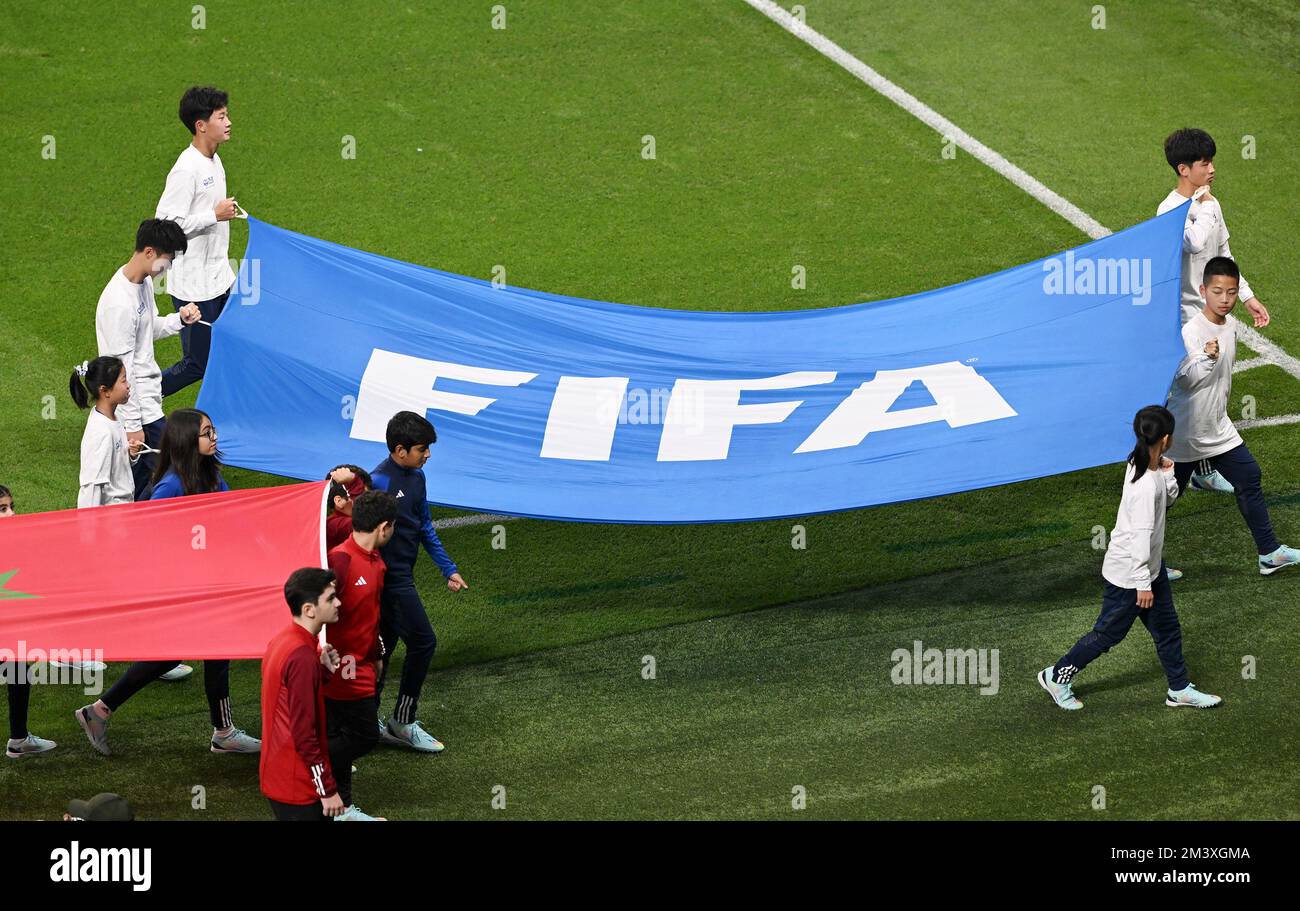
295 766
360 579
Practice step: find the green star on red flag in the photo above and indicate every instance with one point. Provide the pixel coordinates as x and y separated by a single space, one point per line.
6 593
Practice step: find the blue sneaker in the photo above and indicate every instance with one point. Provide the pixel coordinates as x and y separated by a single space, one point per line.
1279 559
1062 693
1191 696
1173 574
413 736
354 814
1213 482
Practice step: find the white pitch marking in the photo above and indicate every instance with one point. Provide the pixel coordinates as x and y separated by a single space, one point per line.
478 518
1269 422
1269 351
932 118
1250 363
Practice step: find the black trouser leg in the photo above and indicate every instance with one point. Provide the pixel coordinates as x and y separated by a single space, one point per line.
216 684
293 812
20 695
352 728
142 470
133 680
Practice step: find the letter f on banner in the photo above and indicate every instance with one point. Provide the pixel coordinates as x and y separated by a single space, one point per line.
399 382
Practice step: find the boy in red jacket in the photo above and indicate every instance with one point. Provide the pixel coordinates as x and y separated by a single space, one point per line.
347 482
351 712
295 769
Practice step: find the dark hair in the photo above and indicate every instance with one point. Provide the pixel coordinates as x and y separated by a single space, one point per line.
406 428
305 586
1149 424
199 102
372 509
102 371
4 492
163 235
338 490
179 452
1220 265
1188 146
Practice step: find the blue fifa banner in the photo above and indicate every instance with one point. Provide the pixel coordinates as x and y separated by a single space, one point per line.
563 408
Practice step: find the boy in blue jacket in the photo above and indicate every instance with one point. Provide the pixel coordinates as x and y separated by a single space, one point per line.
401 613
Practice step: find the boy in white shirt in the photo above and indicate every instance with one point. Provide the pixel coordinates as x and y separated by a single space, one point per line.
1190 152
1135 578
126 324
1198 400
195 199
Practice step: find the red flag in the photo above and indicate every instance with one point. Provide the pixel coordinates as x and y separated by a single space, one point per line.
191 577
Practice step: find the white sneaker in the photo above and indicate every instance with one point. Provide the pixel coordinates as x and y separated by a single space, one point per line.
96 728
1062 693
1191 696
412 735
353 814
84 666
235 742
179 672
30 746
1279 559
1213 482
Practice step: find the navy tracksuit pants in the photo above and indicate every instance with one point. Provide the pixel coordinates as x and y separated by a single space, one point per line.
196 344
1242 472
1118 611
402 616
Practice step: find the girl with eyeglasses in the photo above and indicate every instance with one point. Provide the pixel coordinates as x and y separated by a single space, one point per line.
188 463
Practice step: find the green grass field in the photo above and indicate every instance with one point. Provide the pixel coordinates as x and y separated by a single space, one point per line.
772 664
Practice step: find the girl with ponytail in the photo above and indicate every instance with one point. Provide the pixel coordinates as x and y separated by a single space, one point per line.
105 455
1134 575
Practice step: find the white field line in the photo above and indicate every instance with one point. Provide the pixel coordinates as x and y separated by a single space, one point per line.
1268 422
1249 363
933 119
478 518
1268 351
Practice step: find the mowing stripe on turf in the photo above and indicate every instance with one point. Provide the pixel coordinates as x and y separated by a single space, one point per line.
1269 352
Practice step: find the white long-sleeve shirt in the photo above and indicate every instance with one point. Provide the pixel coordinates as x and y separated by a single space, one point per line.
1137 542
126 324
1205 236
195 185
1199 395
105 464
